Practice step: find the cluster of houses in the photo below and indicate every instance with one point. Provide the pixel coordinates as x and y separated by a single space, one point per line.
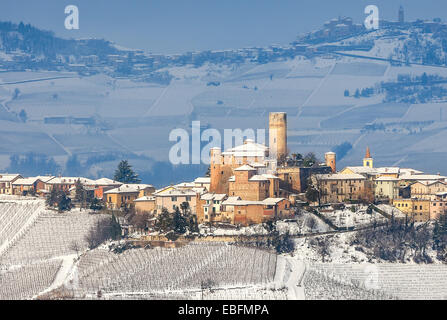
249 184
421 196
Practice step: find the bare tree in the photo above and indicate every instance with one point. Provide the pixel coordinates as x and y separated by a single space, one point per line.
207 284
75 246
322 244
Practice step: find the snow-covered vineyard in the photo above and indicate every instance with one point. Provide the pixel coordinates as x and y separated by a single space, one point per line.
44 255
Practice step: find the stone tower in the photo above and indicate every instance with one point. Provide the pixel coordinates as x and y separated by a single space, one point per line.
219 172
401 15
368 160
331 160
278 134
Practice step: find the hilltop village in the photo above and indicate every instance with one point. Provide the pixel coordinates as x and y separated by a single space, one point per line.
252 183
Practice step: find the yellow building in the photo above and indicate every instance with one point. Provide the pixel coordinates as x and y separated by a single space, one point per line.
416 209
126 194
6 182
386 187
145 204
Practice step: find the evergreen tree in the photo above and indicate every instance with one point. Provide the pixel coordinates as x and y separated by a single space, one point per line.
63 202
115 228
96 204
79 192
125 174
164 221
52 198
179 222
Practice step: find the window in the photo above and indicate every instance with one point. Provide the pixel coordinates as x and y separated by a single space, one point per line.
188 198
173 198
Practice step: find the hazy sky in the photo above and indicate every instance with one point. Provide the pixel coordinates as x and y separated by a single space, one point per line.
171 26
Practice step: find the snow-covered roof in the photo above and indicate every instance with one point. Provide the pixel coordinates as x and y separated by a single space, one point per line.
272 201
245 167
203 180
409 171
70 180
199 190
213 196
145 199
25 181
430 182
363 170
388 170
238 202
106 182
384 178
9 177
257 165
269 176
231 200
45 179
178 193
340 176
185 185
248 149
421 177
258 178
127 188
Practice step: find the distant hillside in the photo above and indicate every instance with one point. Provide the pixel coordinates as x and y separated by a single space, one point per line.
26 47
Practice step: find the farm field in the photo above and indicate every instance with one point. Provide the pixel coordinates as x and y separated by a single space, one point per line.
139 116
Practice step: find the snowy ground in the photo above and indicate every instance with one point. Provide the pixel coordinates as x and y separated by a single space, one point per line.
310 91
353 216
304 223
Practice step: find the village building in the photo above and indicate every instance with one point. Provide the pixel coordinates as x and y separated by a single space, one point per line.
145 204
102 185
125 195
427 189
418 210
6 182
25 186
172 198
209 208
336 187
203 182
246 212
65 183
386 188
438 206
